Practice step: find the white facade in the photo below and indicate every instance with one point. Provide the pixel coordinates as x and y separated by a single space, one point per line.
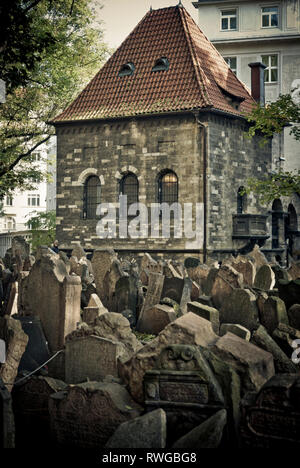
20 205
268 31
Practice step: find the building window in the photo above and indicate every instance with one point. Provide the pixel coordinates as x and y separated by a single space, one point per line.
9 223
33 200
231 62
269 17
161 64
168 188
91 197
271 70
127 69
129 186
9 200
228 20
241 200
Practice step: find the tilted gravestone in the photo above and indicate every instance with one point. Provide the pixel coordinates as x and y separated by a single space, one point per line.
183 385
91 357
7 423
271 418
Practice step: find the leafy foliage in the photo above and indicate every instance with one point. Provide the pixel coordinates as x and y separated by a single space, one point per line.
275 186
42 226
274 117
67 51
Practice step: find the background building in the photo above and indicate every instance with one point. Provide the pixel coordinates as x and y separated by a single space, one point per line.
246 31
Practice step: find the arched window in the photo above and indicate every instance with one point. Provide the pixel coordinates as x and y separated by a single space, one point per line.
162 64
91 197
129 186
292 218
168 187
276 219
241 200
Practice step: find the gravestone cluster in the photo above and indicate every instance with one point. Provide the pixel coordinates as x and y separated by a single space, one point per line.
148 352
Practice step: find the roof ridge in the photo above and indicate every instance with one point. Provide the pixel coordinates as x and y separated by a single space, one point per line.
196 65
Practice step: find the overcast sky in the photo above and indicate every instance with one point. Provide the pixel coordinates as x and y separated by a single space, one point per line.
121 16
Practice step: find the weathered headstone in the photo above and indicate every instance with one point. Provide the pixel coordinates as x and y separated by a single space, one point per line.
264 278
236 329
244 266
30 402
254 364
7 423
208 435
54 296
91 358
257 257
147 431
86 415
78 252
16 341
224 282
12 304
282 363
173 288
274 312
126 293
182 384
294 271
271 418
156 318
240 307
154 292
209 313
289 292
294 316
188 329
102 261
89 315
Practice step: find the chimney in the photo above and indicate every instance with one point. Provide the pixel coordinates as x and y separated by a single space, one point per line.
257 82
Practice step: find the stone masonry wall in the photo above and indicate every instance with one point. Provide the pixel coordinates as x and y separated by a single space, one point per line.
144 147
233 158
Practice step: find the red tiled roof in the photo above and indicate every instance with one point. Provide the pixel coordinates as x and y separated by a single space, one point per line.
197 78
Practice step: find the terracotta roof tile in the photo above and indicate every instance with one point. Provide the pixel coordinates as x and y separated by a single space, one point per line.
198 76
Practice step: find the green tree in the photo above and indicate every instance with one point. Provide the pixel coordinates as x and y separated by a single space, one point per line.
42 226
267 121
72 55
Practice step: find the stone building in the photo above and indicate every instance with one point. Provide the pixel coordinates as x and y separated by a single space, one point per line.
162 121
247 31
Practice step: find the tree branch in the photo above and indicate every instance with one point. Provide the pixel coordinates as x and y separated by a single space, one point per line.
22 156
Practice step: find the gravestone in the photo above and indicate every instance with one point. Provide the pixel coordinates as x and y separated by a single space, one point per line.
236 329
209 313
156 318
289 292
271 418
91 358
86 415
254 365
78 252
30 404
188 329
89 315
183 385
264 278
16 341
12 304
294 271
225 281
257 257
274 312
37 351
294 316
147 431
126 293
101 262
49 293
244 266
154 292
240 308
7 423
173 288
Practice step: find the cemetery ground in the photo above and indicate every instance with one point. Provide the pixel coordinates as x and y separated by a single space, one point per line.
114 352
